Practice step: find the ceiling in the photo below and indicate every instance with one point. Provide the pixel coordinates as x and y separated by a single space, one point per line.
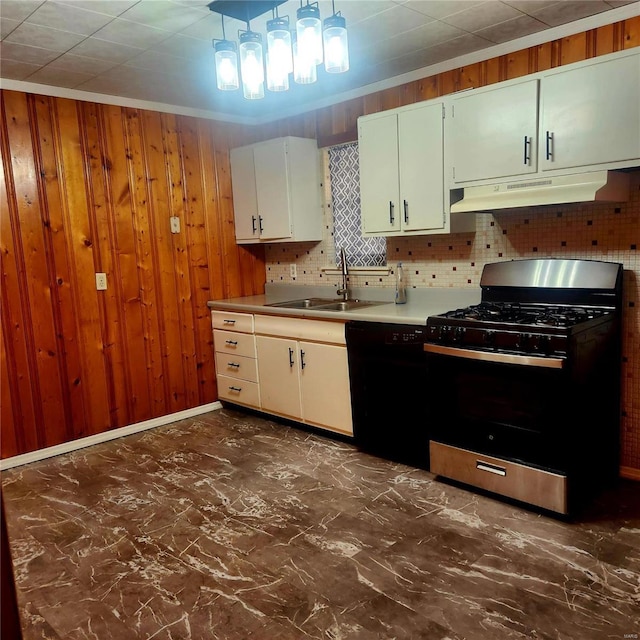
161 50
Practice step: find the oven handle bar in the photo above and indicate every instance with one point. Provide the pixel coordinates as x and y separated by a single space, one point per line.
505 358
491 468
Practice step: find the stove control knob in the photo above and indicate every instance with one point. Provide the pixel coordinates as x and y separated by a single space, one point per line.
433 333
490 338
544 344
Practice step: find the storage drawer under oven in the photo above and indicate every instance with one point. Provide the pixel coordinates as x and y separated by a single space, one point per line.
533 486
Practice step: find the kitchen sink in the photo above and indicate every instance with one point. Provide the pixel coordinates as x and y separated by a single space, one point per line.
325 304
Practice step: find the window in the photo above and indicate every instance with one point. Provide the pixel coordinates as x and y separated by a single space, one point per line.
344 177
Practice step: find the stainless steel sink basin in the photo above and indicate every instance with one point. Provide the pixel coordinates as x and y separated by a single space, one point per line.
346 305
305 303
325 304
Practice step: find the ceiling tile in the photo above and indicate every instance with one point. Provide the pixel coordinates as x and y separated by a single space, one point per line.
393 22
210 26
25 53
511 29
439 9
17 70
81 64
162 14
19 9
68 18
529 6
160 62
131 34
567 11
482 16
108 7
185 47
112 51
7 26
59 77
44 37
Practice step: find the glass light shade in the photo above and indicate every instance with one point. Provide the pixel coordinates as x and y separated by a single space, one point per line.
304 67
279 44
277 76
226 58
336 46
251 65
309 33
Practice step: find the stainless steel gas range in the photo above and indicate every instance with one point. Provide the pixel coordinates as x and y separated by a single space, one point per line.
525 386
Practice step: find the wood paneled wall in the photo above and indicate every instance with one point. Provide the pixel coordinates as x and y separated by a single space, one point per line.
90 188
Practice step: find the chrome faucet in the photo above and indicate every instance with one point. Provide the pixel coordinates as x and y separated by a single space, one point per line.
344 291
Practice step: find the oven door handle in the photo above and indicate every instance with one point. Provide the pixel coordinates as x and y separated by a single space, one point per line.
488 356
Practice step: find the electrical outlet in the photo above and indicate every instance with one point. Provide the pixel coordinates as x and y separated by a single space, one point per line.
101 281
293 271
175 224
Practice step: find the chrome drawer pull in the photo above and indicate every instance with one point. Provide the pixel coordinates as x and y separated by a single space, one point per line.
238 389
232 342
229 321
491 468
233 364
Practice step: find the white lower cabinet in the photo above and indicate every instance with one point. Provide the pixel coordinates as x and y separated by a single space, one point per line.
297 369
303 371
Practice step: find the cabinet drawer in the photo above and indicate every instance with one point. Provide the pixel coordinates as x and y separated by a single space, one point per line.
314 330
241 344
240 391
242 322
534 486
237 366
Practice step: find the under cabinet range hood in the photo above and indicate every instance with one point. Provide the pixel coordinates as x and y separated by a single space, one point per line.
595 186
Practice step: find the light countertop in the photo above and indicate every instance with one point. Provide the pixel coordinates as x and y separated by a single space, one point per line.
421 303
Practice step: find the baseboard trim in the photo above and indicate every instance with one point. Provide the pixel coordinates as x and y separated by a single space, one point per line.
81 443
631 473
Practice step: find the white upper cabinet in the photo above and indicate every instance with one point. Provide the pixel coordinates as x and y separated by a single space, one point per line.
402 171
591 115
493 132
276 191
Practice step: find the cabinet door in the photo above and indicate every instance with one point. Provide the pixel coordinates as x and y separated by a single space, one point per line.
420 140
326 397
590 115
379 183
278 375
243 185
272 189
494 132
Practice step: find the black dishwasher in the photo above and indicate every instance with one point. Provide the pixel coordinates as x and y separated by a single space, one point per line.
388 376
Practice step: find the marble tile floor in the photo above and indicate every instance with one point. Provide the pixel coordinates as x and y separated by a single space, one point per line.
230 526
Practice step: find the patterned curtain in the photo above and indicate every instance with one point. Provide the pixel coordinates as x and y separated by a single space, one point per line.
345 195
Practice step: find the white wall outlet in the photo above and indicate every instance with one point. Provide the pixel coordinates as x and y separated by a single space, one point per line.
293 271
101 281
175 224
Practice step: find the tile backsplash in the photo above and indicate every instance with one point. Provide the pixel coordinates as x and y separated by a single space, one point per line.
603 231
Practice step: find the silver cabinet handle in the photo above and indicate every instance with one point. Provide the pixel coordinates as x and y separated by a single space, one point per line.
491 468
302 362
253 224
229 321
233 364
406 211
232 342
238 389
260 224
391 216
290 357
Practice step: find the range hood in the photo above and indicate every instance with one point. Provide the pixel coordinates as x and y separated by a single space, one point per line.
595 186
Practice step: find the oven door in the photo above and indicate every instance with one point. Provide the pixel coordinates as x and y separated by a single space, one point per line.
501 404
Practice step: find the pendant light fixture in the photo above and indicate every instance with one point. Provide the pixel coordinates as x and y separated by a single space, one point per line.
251 64
336 46
226 57
309 32
296 50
